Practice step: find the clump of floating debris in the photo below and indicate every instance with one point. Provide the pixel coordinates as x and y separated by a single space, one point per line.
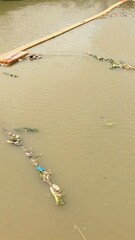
45 175
33 56
14 139
26 129
114 64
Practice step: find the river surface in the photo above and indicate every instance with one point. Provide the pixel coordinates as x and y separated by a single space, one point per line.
85 113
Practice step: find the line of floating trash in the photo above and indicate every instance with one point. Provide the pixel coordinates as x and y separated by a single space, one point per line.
113 64
45 175
117 15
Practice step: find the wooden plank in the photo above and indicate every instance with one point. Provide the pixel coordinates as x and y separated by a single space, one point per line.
62 31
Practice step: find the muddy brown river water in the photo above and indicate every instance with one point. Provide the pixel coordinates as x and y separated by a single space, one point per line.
85 113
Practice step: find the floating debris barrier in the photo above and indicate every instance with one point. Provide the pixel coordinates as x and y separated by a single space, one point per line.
45 175
19 53
26 129
113 63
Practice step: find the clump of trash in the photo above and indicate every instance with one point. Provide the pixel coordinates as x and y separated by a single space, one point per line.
44 174
14 139
113 64
33 56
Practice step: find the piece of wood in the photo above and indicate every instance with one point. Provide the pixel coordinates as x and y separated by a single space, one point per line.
62 31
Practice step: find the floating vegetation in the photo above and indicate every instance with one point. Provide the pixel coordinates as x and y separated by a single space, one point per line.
10 74
45 175
113 64
26 129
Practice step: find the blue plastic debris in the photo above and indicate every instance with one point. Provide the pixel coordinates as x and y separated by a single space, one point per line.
40 169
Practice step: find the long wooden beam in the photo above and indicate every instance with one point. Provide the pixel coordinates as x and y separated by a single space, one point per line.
60 32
